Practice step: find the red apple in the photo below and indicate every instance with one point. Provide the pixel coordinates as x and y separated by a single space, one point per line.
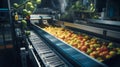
105 53
101 54
84 48
92 55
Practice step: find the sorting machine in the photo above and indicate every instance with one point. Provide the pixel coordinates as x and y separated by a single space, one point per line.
45 50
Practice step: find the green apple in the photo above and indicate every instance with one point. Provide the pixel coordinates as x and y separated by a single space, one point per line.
29 12
89 51
99 59
108 56
27 33
91 4
24 23
38 1
24 11
86 43
29 4
77 4
32 8
110 45
118 51
112 53
15 5
96 45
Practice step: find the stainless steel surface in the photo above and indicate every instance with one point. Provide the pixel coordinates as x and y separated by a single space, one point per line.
115 34
108 22
39 16
110 33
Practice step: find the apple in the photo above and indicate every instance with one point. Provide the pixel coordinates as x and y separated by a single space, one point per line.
84 39
29 12
98 48
70 35
29 4
99 59
108 56
71 42
80 37
38 1
104 48
24 11
89 51
93 40
118 50
24 23
27 33
91 46
105 53
82 43
84 48
96 45
92 54
79 45
110 45
31 8
15 5
87 42
101 54
113 53
62 37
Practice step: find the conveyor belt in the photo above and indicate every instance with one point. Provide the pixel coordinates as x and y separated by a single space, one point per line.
48 56
75 57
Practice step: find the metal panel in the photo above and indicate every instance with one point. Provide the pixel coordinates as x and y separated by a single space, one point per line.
108 22
38 16
86 28
101 31
114 34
